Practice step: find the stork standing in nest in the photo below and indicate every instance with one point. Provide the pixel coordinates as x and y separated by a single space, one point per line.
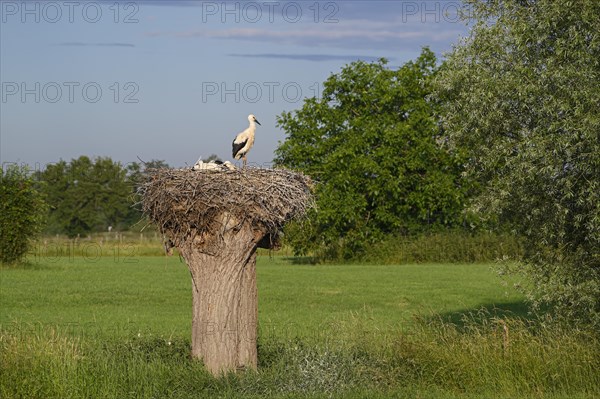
245 140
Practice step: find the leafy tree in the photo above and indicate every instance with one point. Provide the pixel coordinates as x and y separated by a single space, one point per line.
155 164
86 196
522 92
135 173
22 213
371 143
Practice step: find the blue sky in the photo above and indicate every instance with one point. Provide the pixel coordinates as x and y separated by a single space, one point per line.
175 80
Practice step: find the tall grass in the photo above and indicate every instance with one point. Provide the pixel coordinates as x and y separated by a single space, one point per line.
445 247
482 357
441 247
118 245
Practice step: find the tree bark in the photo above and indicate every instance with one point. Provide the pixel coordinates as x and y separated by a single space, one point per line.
225 303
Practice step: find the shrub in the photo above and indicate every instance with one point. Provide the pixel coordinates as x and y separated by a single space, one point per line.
446 247
22 213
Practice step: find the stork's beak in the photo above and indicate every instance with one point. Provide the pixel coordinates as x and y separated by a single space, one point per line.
256 120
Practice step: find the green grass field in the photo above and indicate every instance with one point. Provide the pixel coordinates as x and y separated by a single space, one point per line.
154 294
116 327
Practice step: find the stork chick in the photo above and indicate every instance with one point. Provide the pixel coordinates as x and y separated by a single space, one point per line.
244 140
216 165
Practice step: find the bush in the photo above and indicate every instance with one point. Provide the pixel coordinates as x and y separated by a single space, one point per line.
445 247
22 213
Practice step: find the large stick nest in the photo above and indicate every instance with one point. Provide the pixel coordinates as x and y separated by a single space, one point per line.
188 204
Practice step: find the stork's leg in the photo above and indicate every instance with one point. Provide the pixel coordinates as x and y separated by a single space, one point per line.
244 158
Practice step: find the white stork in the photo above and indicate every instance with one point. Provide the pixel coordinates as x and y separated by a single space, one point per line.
245 140
213 165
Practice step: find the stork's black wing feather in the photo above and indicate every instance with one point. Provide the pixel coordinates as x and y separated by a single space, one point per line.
236 147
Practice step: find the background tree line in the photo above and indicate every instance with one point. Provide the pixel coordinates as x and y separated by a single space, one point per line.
86 195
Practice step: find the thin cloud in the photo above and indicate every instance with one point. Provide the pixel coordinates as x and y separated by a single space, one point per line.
339 37
301 35
82 44
310 57
360 26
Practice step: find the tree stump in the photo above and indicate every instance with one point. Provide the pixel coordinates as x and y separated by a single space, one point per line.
217 220
225 302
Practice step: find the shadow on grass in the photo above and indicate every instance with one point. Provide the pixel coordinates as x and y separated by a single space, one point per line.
149 348
301 260
508 310
27 265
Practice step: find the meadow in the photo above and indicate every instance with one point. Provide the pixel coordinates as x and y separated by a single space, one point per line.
116 326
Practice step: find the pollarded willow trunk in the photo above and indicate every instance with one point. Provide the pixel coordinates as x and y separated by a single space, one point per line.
218 219
225 302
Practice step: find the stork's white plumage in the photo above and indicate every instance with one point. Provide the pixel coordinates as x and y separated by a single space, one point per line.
245 140
213 165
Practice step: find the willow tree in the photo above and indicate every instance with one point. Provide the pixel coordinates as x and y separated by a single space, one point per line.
522 92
